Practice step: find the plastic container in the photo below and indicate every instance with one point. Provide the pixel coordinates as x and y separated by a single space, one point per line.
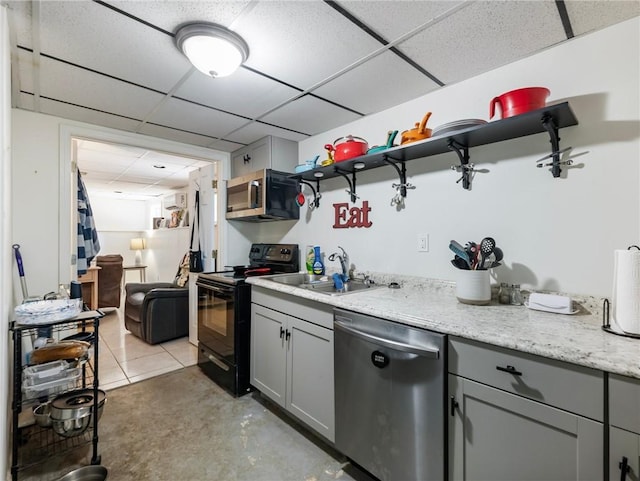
36 383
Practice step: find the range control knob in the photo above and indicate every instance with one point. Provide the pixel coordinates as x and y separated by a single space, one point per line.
285 251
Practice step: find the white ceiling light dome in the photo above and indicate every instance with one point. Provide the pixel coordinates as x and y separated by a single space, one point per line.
213 49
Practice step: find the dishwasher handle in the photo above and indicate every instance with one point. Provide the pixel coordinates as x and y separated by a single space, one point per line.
395 345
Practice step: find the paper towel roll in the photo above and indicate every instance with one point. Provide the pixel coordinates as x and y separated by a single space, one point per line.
626 290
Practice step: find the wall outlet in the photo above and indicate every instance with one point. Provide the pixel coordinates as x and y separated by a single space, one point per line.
423 242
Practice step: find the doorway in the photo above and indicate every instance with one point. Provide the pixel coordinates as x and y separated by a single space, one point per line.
71 134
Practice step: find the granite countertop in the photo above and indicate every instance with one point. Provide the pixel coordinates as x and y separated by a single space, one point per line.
431 304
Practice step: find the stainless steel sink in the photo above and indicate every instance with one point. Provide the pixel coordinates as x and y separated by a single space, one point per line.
297 279
320 284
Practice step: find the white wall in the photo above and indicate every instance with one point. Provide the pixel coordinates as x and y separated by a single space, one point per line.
39 170
556 234
5 233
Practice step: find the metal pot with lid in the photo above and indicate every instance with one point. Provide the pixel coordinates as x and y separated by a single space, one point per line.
345 148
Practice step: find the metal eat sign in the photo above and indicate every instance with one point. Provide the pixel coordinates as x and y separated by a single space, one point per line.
346 217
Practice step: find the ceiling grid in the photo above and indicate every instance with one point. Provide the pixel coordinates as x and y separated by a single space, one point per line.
312 66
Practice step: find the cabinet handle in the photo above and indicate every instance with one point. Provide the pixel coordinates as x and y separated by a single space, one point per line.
281 332
510 370
288 335
454 404
624 468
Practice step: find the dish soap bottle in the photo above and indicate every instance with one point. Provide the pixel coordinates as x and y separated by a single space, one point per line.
311 255
318 266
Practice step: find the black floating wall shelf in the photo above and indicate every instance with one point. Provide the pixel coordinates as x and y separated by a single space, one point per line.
548 119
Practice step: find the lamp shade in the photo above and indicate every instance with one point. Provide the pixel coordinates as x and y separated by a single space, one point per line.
137 243
213 49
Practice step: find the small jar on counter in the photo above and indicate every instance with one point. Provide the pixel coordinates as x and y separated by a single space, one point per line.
504 293
516 295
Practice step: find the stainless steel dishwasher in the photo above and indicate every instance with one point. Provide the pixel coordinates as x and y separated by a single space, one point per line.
390 397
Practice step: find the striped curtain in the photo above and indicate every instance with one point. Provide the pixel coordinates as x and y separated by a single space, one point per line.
88 243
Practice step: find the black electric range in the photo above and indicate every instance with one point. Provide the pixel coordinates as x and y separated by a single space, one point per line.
224 314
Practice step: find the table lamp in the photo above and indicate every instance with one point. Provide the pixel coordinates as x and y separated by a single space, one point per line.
137 244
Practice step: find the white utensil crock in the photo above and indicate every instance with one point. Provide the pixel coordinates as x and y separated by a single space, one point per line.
473 287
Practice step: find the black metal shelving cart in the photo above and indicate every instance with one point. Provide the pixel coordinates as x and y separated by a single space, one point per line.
31 443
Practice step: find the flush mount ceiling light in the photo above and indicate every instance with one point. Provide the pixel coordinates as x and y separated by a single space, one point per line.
213 49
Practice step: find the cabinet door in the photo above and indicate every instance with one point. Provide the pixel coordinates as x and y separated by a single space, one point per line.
253 157
268 354
498 436
624 444
310 376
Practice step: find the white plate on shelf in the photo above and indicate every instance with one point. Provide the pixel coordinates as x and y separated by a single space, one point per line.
456 126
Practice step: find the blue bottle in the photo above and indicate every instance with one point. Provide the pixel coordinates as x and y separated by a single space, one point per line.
318 266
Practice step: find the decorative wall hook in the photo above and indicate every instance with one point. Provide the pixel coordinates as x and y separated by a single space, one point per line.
351 181
550 126
465 167
316 192
402 174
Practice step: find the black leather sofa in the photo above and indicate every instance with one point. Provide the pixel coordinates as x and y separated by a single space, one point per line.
157 311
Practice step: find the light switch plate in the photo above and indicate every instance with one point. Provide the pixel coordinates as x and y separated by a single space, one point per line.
423 242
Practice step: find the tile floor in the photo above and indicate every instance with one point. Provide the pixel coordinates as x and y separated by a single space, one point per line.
126 359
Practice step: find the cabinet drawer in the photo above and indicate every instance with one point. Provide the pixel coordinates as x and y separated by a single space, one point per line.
308 310
573 388
624 403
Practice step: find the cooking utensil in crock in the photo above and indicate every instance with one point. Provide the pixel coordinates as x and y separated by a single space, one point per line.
487 246
419 132
458 250
348 147
519 101
391 136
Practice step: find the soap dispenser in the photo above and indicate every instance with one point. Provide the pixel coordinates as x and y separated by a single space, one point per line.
318 266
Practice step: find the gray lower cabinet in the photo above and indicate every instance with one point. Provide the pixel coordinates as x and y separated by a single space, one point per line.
292 364
624 428
516 417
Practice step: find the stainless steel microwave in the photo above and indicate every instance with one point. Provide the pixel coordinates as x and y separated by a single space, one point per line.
263 195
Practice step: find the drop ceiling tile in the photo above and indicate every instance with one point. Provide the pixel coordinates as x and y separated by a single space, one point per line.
195 118
393 19
256 130
25 77
176 135
102 162
94 36
373 86
243 93
168 14
62 82
307 41
86 147
310 116
590 16
225 145
25 101
484 36
81 114
19 13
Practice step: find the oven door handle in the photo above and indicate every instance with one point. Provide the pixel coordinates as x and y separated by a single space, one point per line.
219 290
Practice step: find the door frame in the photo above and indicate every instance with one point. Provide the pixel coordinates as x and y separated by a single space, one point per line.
67 169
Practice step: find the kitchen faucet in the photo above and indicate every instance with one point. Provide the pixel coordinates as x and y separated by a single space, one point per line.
344 262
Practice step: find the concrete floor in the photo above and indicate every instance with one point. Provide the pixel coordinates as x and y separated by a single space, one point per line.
181 426
165 420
